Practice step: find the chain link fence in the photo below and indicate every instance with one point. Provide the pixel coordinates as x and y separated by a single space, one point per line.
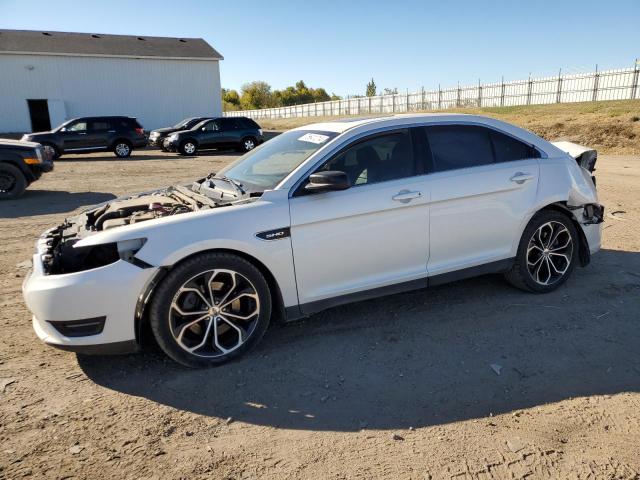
617 84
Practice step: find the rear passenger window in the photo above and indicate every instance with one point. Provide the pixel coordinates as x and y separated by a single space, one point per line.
459 146
508 149
228 124
98 126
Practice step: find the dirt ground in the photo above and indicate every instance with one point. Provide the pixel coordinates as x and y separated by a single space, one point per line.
469 380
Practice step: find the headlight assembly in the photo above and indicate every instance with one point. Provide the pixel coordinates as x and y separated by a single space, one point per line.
64 257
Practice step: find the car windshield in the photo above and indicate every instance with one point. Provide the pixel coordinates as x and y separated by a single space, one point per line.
183 123
266 166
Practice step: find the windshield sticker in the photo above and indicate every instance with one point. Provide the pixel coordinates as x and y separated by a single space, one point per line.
313 138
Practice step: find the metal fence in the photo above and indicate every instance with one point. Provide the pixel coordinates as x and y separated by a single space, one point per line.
618 84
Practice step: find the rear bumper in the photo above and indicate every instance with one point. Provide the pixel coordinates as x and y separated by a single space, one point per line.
139 142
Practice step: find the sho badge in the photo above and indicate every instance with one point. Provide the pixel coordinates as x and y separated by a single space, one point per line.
276 234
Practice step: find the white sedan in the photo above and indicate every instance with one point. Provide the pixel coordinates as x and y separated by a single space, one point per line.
321 215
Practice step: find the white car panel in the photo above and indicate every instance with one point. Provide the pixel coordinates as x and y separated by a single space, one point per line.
111 291
475 213
360 238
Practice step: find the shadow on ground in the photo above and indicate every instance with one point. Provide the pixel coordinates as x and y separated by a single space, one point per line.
417 359
44 202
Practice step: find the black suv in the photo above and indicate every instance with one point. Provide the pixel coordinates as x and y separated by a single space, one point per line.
156 137
21 164
92 134
224 132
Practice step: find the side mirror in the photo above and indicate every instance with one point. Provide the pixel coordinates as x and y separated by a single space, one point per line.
328 181
203 128
63 129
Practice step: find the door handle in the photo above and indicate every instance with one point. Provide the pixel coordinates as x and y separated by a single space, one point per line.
405 196
82 133
521 177
111 131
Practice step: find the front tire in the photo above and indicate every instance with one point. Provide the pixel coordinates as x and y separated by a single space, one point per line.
247 144
547 253
210 309
188 147
122 149
12 182
51 150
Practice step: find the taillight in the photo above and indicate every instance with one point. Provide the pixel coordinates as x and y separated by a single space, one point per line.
140 131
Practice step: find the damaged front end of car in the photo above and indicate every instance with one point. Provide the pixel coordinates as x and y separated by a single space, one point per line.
57 246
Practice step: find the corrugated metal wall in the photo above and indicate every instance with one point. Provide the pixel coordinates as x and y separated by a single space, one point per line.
158 92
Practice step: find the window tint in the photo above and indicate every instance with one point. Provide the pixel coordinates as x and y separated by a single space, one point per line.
508 149
379 159
77 127
247 123
212 126
227 124
459 146
100 125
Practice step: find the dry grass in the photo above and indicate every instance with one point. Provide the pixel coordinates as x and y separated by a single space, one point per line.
610 127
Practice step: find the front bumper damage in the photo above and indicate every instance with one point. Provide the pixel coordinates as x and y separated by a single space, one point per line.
88 311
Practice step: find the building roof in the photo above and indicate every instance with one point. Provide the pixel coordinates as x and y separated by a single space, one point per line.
98 44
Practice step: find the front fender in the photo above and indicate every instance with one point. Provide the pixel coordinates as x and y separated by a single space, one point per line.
171 239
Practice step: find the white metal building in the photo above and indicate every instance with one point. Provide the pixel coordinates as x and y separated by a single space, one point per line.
49 77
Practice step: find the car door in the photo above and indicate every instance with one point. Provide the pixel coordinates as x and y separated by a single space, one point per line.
372 235
209 134
99 133
230 130
74 135
483 184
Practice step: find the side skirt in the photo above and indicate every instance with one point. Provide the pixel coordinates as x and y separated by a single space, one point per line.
304 310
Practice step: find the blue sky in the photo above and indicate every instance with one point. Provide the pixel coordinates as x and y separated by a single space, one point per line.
340 45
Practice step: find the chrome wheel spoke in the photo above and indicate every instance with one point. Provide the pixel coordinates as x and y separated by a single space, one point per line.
227 307
216 341
553 263
189 325
549 254
234 284
197 292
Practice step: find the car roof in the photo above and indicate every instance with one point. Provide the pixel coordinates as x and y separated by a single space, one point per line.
342 125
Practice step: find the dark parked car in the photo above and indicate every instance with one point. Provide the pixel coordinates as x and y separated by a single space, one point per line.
156 137
21 164
92 134
226 132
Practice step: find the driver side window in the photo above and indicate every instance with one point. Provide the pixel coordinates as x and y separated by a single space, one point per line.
213 126
378 159
77 127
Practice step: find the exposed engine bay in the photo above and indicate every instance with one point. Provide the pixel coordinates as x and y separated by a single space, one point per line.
61 256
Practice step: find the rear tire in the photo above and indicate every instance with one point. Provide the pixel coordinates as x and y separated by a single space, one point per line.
188 147
210 309
12 182
547 253
122 148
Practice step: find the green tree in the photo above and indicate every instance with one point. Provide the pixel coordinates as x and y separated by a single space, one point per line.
371 88
320 95
256 95
230 100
